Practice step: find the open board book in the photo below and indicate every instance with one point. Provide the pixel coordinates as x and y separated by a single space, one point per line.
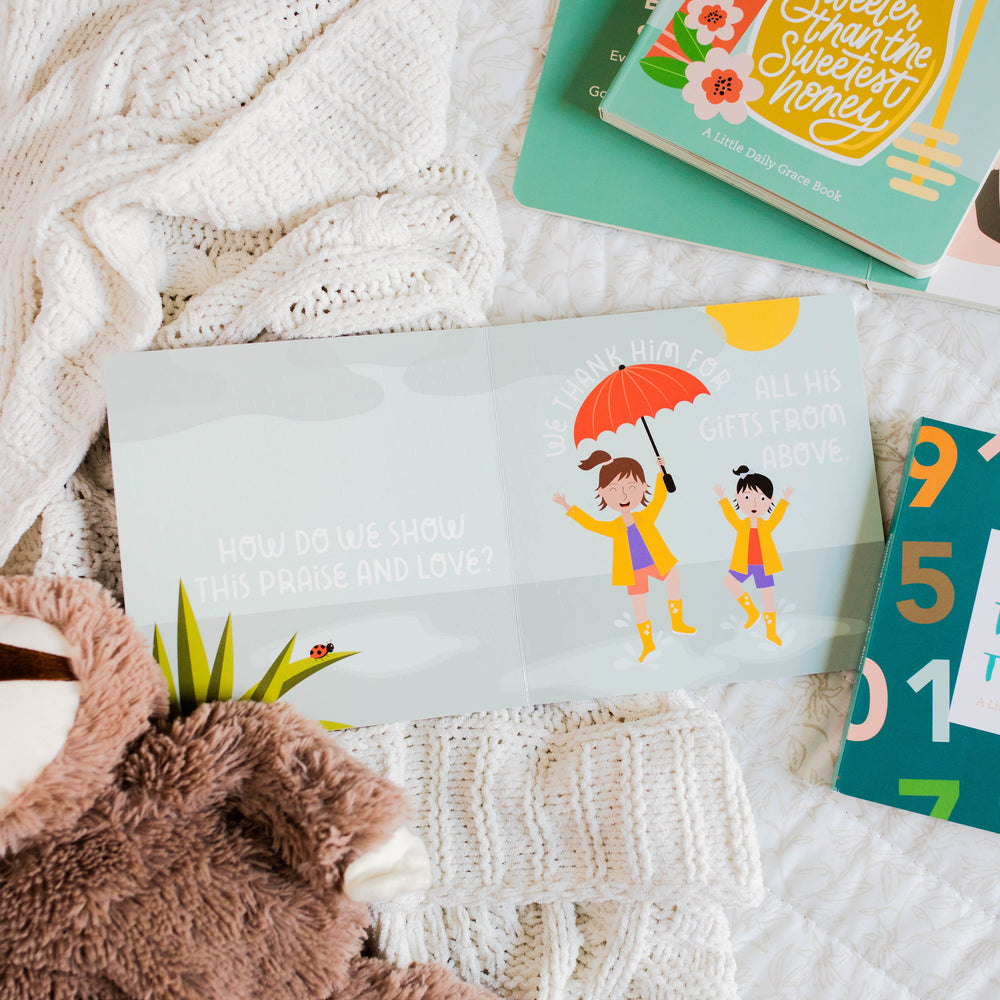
922 731
568 153
403 498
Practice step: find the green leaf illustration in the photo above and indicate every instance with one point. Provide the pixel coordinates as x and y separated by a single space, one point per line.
298 670
197 684
160 655
331 726
285 673
663 69
260 690
688 40
220 684
192 662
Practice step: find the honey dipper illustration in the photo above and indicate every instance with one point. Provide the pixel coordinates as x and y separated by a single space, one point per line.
919 175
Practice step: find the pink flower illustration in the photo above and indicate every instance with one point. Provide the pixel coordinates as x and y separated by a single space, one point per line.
713 19
722 85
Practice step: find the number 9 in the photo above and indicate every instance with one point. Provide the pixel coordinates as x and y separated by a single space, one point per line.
936 475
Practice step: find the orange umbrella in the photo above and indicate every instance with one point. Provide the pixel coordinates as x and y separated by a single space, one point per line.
630 395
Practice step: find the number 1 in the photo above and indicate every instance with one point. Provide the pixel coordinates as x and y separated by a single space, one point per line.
937 673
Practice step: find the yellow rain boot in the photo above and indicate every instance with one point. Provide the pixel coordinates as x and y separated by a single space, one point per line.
749 607
771 631
646 634
677 619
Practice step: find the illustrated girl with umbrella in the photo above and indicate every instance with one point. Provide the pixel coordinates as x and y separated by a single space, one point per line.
754 554
628 396
638 549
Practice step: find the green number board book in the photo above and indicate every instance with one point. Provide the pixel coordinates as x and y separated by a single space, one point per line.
923 732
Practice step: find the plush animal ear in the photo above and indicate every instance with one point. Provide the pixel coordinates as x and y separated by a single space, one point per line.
39 696
32 635
397 865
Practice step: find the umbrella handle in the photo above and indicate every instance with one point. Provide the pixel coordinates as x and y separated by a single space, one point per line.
668 480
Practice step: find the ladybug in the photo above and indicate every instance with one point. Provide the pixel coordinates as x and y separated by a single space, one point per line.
320 650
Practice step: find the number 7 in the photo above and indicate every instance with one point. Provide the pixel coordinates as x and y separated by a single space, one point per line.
944 790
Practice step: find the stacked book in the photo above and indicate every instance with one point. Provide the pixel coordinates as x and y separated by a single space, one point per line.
845 137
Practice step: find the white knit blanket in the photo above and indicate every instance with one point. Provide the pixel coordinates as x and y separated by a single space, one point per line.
583 851
176 173
861 900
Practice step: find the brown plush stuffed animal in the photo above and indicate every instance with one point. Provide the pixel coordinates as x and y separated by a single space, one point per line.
201 858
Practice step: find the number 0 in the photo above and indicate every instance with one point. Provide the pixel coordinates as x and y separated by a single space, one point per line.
878 704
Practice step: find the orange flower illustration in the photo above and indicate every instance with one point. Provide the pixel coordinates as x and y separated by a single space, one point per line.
722 84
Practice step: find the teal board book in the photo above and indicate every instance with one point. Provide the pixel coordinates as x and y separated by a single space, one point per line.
923 731
572 163
390 527
863 118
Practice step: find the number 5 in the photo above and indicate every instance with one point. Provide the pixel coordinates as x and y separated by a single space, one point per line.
912 572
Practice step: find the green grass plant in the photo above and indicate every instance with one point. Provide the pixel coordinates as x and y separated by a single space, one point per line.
197 682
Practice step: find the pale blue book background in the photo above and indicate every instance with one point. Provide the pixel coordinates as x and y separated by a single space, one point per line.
392 494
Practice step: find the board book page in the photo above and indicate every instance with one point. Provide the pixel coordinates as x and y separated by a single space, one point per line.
404 519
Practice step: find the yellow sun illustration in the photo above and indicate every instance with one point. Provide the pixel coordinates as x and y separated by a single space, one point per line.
756 326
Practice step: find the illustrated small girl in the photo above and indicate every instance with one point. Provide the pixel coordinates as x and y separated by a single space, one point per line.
638 550
754 554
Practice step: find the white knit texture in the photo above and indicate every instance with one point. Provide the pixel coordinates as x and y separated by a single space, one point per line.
180 173
570 951
577 850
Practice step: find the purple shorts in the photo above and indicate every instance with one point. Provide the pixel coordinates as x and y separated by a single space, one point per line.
762 579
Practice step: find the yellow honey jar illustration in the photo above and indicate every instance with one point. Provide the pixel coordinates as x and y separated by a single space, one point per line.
844 77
